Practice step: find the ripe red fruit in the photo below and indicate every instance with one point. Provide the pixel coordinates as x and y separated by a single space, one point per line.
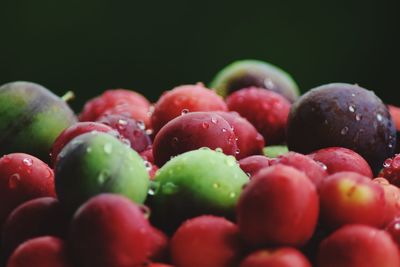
23 177
132 131
193 131
251 165
282 257
393 228
249 141
117 101
340 159
279 206
110 231
206 241
34 218
182 99
42 251
358 246
73 131
349 197
158 245
266 110
315 171
391 170
392 199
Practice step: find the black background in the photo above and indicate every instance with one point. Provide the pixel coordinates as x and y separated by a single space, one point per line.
152 46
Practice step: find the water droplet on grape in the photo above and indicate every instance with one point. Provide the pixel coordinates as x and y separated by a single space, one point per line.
107 148
103 176
344 131
27 162
352 108
184 111
141 125
205 125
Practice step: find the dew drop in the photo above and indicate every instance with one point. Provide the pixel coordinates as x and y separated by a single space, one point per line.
379 117
88 149
27 162
141 125
358 117
126 142
232 195
218 149
205 125
154 187
121 125
184 111
352 108
237 152
323 166
224 130
149 131
353 95
390 145
248 174
344 131
103 176
13 180
147 165
214 120
269 84
107 148
387 163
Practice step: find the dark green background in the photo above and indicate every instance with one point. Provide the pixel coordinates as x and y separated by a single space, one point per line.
152 46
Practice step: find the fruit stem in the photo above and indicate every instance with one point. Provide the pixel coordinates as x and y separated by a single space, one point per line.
68 96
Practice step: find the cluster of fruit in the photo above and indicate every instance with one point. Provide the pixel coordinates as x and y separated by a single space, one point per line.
248 173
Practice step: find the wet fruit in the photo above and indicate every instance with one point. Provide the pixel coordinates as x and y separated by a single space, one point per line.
34 218
206 241
95 163
246 73
132 132
73 131
31 118
358 246
349 197
117 101
315 172
41 251
22 178
249 141
266 110
194 183
184 99
193 131
251 165
391 170
281 257
279 207
342 115
95 241
340 159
